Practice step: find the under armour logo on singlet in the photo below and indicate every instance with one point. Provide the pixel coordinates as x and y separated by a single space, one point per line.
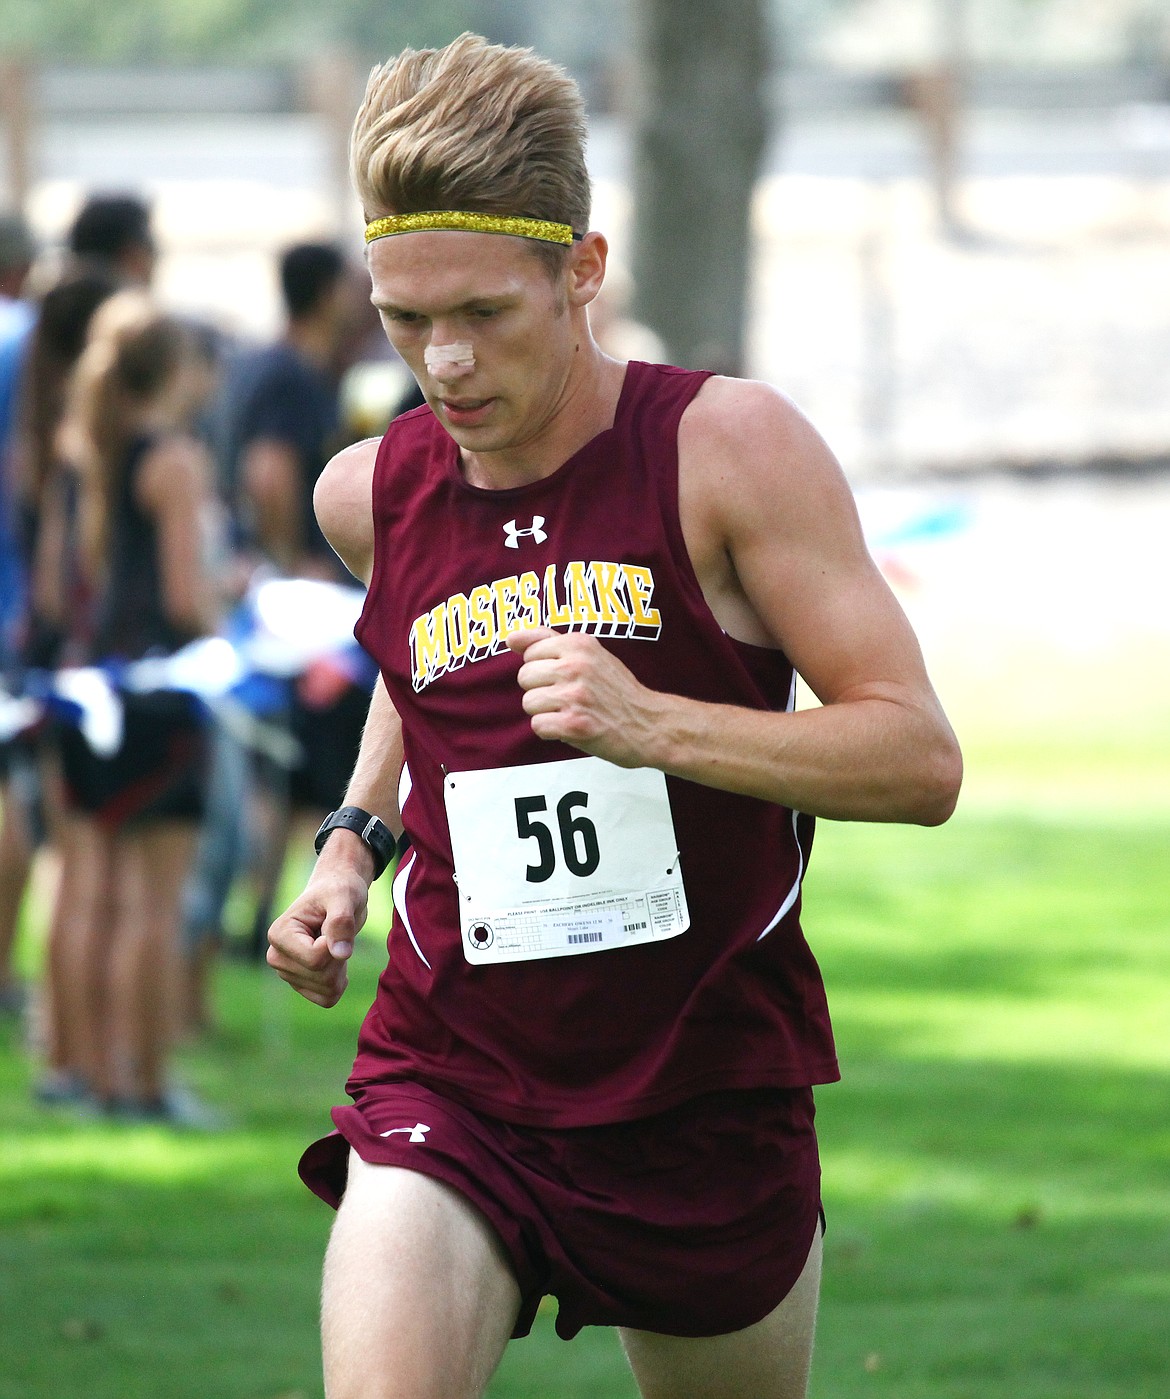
513 534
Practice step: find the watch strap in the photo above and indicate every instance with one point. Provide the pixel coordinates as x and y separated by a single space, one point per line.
373 832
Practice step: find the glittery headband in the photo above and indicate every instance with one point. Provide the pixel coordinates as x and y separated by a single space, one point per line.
540 229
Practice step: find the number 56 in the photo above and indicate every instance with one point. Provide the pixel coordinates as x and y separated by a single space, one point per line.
580 858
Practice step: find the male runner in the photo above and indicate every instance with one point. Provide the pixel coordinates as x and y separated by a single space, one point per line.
588 1068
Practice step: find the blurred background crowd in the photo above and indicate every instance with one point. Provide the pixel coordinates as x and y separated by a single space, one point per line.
943 226
158 480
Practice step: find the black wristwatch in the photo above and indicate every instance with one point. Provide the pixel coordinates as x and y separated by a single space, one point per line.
375 834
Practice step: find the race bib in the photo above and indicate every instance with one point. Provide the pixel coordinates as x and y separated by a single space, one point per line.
557 859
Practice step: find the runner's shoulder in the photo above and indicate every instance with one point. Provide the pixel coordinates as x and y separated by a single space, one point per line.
347 477
746 440
730 414
343 502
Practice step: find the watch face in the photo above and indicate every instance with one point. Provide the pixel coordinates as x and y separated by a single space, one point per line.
373 831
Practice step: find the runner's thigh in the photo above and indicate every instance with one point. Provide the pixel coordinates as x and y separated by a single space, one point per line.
769 1360
418 1299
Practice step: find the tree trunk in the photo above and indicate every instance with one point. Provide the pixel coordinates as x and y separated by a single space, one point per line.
17 117
699 131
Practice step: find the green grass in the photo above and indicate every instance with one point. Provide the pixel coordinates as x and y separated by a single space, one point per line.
997 1158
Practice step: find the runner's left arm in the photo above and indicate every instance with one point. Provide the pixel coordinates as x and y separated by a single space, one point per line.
779 552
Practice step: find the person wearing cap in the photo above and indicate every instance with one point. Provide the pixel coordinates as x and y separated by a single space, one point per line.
588 1069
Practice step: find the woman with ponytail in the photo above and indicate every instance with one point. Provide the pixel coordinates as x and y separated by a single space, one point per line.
144 516
42 500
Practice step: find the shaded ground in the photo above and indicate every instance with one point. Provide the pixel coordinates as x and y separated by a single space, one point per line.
994 1159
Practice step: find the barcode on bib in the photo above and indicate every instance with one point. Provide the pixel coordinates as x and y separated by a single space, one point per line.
635 927
576 938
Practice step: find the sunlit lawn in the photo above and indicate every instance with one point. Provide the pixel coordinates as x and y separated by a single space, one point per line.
997 1159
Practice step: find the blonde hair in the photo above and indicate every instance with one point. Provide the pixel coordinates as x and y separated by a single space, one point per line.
133 352
476 127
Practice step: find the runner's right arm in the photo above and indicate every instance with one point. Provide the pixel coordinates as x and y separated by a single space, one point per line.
310 943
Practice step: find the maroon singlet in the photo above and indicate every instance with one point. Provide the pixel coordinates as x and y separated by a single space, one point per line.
736 1001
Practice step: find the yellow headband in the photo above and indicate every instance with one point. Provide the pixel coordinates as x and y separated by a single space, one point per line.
540 229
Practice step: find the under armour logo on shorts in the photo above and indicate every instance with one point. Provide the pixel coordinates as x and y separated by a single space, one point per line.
417 1133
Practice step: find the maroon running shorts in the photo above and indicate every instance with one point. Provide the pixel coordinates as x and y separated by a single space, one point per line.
694 1222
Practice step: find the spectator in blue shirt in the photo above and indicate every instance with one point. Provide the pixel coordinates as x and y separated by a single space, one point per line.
285 422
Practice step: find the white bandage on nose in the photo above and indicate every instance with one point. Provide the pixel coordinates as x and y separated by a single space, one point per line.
457 353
